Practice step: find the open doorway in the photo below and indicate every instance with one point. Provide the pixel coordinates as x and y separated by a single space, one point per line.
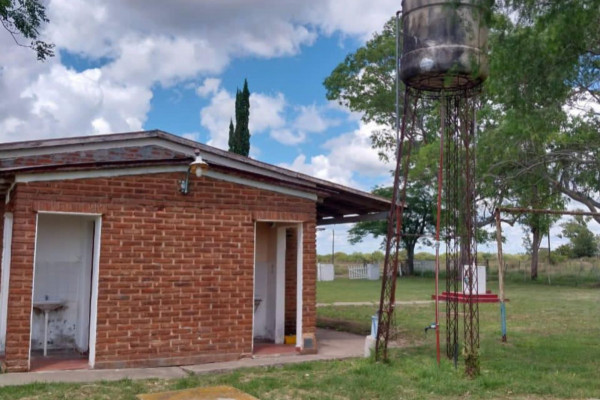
64 291
277 276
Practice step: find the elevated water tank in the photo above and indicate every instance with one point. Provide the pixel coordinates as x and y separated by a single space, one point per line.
444 44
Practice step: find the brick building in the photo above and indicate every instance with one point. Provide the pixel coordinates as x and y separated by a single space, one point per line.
136 261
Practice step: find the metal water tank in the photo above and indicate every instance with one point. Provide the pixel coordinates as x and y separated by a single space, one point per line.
444 44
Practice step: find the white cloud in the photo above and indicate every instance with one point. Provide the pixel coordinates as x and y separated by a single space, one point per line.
265 113
208 87
323 167
287 137
216 116
63 102
138 44
349 155
311 119
354 17
364 159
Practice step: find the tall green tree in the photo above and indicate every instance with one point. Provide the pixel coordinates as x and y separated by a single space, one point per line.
533 149
583 243
243 121
24 18
232 139
418 221
538 147
239 135
545 85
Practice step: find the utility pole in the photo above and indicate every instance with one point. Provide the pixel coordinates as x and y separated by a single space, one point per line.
333 247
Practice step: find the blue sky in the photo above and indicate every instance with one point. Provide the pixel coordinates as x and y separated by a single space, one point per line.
140 64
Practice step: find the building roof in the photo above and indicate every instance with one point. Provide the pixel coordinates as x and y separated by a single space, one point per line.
336 203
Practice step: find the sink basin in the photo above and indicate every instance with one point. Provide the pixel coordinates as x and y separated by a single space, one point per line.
48 305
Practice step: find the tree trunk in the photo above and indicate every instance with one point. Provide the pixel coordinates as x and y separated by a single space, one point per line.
410 258
463 258
535 247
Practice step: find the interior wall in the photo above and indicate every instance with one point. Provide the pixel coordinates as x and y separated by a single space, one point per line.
264 281
291 268
63 268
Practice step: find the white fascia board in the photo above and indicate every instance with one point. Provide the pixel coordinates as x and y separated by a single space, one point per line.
108 173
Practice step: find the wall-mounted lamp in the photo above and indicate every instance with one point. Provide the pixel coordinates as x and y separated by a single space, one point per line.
196 167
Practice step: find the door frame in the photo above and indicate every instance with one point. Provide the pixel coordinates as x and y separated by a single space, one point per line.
5 276
280 279
97 218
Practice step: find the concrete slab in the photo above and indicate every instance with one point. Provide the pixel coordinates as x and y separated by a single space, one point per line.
332 346
205 393
91 375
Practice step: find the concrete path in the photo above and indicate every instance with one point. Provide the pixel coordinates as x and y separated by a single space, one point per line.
373 303
332 345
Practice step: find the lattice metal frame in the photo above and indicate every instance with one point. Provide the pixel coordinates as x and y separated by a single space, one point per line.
394 227
458 128
471 307
452 200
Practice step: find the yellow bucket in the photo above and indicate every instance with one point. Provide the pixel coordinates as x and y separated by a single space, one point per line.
289 339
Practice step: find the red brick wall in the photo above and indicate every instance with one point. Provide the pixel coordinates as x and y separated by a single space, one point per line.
309 288
176 271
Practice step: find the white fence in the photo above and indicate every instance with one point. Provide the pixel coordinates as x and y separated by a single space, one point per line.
424 266
325 272
369 271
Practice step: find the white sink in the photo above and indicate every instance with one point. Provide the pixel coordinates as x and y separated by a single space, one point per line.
48 305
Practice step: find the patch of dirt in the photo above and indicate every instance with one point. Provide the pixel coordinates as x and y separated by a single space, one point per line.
343 325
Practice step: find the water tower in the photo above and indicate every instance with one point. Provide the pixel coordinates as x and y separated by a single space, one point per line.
442 57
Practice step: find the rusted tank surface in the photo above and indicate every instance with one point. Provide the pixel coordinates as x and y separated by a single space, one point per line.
444 44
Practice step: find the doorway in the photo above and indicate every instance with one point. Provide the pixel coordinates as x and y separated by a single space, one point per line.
64 291
277 279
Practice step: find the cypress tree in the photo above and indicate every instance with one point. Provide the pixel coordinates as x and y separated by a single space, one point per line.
244 136
231 136
239 135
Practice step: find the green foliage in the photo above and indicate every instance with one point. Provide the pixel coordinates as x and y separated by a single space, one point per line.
561 253
239 136
418 220
24 18
544 64
583 243
232 138
532 150
551 354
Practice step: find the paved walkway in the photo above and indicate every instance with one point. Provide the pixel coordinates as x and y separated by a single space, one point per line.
332 345
373 303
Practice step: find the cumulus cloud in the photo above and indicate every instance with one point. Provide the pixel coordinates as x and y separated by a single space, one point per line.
349 155
311 119
136 45
209 86
286 136
58 101
266 113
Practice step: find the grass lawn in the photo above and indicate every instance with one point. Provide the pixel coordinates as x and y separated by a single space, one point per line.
347 290
552 352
